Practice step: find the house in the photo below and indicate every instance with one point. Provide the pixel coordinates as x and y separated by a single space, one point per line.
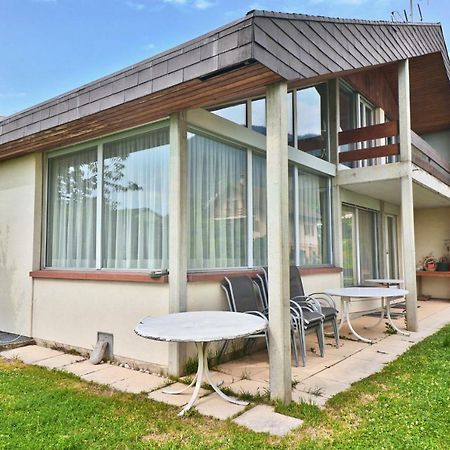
277 138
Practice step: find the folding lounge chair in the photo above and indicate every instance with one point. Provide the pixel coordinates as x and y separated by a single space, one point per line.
243 295
309 318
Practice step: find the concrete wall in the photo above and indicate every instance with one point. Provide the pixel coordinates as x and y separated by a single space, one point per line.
19 184
440 141
432 226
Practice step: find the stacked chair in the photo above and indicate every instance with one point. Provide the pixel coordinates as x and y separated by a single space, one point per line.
244 295
321 302
310 317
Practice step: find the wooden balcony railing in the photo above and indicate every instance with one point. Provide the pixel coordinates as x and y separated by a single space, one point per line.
428 159
369 134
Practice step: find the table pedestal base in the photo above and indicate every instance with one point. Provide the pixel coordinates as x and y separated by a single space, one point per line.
385 308
202 374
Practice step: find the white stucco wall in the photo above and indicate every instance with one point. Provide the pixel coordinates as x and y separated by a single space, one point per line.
73 311
432 226
17 243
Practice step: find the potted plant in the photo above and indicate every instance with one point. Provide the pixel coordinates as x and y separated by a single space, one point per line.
429 263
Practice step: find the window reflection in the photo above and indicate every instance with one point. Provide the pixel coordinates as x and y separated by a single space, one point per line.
259 115
312 120
234 113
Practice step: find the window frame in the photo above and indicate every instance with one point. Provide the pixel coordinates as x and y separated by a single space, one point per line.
163 123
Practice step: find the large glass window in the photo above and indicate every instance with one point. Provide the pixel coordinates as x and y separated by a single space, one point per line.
259 211
72 210
217 198
392 247
312 219
360 244
235 113
135 202
312 120
259 115
131 186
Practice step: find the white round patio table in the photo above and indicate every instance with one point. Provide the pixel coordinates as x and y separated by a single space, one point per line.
388 282
385 294
201 328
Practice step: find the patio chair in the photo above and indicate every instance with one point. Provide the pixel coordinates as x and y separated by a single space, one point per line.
243 295
320 301
309 317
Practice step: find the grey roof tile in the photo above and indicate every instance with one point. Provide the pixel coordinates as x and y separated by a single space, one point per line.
292 45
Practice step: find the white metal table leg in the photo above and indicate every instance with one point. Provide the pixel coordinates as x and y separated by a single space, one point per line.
388 312
199 377
347 319
344 303
380 319
203 372
180 391
215 386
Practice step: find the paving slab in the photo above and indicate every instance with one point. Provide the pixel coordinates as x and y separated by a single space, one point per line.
305 397
322 386
263 419
252 387
138 382
220 377
60 361
108 376
31 353
214 406
177 400
84 368
351 370
374 354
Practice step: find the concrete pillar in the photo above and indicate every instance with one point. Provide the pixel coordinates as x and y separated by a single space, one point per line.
333 94
407 206
404 111
278 242
177 231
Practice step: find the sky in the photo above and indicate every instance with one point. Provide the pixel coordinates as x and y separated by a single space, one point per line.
48 47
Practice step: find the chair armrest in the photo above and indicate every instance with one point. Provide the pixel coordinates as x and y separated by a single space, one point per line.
309 301
325 297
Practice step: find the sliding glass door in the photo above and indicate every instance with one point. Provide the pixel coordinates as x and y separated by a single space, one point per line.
360 244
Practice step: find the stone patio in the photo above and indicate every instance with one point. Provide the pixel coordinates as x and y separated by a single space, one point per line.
316 383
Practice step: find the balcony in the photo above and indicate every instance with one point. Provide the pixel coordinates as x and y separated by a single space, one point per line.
378 144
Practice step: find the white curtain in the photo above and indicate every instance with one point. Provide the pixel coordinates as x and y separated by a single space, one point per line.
217 204
311 220
367 244
135 205
259 211
72 204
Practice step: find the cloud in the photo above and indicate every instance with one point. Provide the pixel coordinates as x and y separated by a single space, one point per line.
149 46
12 94
135 5
204 4
197 4
176 2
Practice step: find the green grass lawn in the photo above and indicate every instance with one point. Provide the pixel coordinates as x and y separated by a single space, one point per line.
406 406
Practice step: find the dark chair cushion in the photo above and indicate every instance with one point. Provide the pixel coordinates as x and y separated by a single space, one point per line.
329 312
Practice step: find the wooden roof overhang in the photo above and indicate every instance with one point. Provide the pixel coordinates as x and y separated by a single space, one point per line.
429 88
239 83
236 61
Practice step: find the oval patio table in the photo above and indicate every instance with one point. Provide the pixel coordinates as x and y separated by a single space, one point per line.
201 328
385 294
